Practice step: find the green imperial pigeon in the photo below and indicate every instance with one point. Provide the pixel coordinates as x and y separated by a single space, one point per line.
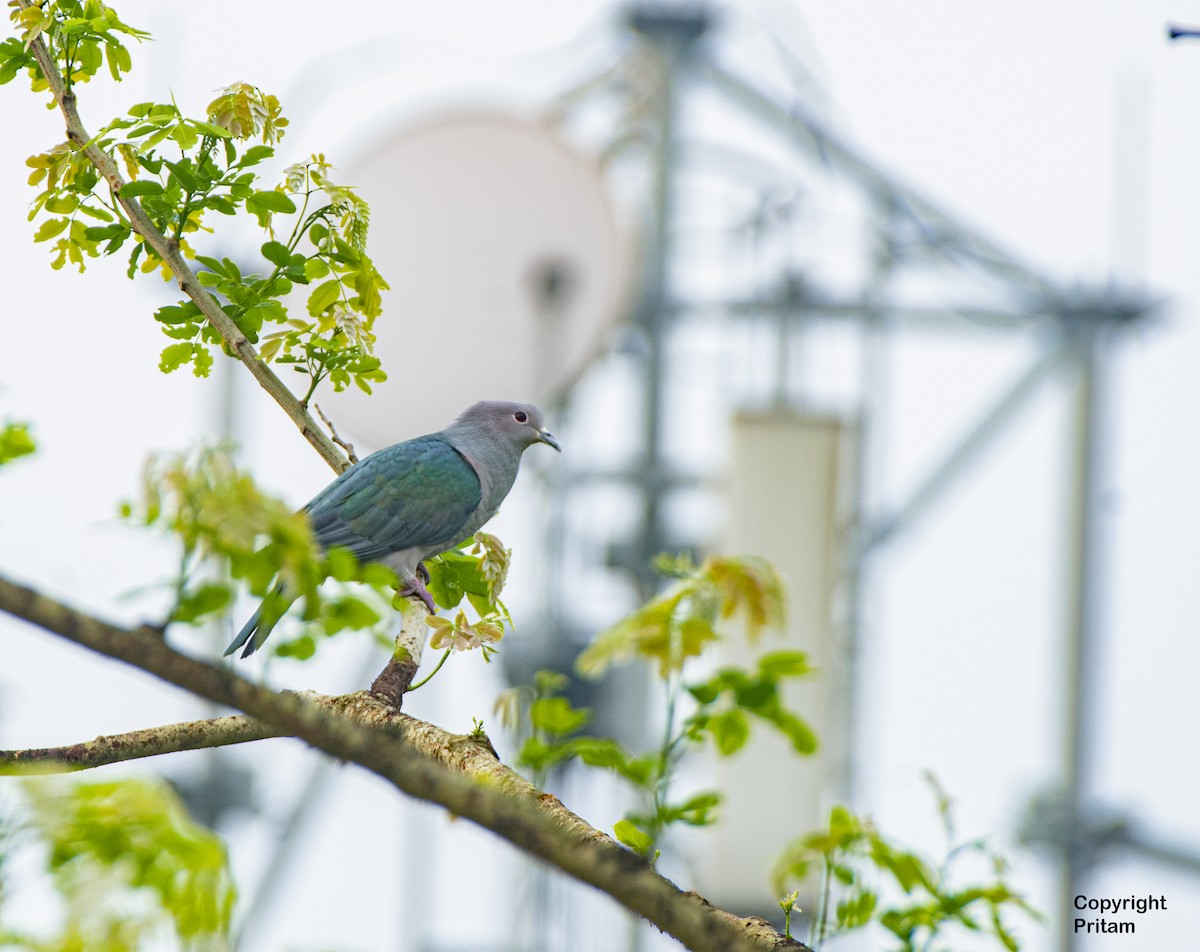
418 498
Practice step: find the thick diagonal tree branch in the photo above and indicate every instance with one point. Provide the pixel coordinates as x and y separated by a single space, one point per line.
239 345
418 759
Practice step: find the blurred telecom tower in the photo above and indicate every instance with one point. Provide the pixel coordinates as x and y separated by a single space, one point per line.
709 287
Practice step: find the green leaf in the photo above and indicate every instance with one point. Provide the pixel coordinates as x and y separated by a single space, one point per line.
804 741
730 729
348 613
756 695
554 715
181 313
208 599
208 129
301 648
600 752
705 692
277 253
62 204
273 201
254 155
698 810
538 755
98 213
213 265
141 188
785 664
341 564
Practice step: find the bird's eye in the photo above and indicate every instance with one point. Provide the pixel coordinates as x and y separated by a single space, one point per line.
521 416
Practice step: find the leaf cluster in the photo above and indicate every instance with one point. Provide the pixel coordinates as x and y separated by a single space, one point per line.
852 856
129 864
183 169
670 632
82 37
730 698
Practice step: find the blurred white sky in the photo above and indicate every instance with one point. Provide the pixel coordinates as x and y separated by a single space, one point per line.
1003 113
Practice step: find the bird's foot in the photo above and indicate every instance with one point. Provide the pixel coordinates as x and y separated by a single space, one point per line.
417 587
422 572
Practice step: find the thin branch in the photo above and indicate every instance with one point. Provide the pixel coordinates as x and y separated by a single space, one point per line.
417 758
348 447
239 345
135 745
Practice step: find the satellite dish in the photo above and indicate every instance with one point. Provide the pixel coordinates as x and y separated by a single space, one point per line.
506 264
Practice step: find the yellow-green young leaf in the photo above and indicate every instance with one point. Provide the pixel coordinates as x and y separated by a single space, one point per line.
694 634
315 268
62 204
187 137
632 837
15 441
50 228
175 356
323 296
202 360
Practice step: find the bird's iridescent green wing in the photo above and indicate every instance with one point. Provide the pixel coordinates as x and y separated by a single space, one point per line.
417 493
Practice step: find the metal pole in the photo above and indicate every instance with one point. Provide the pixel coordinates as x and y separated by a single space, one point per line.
1082 646
870 452
672 33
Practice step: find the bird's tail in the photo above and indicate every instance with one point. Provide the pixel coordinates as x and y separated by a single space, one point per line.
259 626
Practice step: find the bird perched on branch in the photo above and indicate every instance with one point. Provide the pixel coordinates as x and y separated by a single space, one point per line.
416 499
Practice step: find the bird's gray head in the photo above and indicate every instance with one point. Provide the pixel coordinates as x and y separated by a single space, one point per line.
520 423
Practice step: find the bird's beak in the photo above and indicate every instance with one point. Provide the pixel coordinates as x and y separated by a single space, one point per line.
548 438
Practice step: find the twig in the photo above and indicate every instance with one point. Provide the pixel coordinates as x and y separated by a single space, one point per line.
135 745
348 447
